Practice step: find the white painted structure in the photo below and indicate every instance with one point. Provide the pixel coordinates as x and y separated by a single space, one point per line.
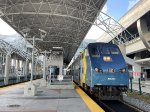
138 44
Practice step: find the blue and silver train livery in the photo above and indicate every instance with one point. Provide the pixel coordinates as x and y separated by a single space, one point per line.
101 70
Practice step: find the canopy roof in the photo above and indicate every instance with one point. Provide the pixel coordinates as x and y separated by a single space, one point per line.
61 23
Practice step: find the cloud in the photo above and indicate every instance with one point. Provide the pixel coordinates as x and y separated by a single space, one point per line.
132 3
5 29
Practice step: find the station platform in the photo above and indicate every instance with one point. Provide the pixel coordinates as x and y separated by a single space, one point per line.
46 100
145 88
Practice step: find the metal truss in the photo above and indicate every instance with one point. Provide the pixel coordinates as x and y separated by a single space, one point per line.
9 49
19 44
112 28
6 47
66 22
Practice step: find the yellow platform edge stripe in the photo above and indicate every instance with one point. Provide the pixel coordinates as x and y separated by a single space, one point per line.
88 101
13 85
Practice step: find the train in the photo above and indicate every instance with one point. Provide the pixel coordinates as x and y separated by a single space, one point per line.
100 69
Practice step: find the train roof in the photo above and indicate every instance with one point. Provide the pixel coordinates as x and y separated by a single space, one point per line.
101 43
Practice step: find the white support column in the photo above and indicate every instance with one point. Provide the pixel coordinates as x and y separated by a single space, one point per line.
44 66
13 66
26 68
32 66
3 58
143 32
136 72
7 67
60 70
31 88
122 48
23 67
14 63
35 69
17 67
50 75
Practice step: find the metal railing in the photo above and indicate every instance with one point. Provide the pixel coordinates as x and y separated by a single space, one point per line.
53 80
17 79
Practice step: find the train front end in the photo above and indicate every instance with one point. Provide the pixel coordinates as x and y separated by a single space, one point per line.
109 72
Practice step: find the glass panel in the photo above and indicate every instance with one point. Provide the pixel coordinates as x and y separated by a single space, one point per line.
114 50
94 52
105 50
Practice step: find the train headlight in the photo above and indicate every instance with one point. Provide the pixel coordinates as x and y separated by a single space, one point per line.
107 58
98 70
123 70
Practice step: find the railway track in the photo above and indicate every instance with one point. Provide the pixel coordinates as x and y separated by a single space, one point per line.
114 105
118 106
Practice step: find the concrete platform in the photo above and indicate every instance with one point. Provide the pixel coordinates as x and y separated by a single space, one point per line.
46 100
145 88
60 87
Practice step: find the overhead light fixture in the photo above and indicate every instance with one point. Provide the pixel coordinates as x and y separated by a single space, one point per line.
57 47
43 31
26 29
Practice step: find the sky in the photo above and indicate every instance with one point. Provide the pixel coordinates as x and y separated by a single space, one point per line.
114 8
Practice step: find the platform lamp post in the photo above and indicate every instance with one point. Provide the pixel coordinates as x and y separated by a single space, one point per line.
44 65
32 64
31 90
33 51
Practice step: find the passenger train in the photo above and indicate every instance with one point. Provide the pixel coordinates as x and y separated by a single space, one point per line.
101 70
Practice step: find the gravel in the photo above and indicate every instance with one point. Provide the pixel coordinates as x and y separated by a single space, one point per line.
138 103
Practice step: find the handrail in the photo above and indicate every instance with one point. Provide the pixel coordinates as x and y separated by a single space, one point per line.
54 80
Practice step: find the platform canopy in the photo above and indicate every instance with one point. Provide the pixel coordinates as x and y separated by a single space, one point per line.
61 23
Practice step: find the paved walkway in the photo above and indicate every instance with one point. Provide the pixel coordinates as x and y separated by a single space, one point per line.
46 100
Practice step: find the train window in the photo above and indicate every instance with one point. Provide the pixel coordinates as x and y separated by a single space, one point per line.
114 50
94 52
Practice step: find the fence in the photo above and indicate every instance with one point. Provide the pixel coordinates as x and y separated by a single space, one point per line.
140 85
54 79
18 79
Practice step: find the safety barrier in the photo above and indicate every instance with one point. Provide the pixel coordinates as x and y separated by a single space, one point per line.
66 80
18 79
137 85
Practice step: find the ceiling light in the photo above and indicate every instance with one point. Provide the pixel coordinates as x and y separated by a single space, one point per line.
57 47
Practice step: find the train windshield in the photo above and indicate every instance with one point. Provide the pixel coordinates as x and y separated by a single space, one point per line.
95 52
109 50
114 50
104 50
